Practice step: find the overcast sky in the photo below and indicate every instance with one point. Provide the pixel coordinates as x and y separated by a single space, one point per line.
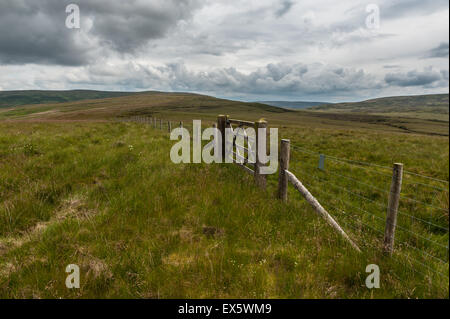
316 50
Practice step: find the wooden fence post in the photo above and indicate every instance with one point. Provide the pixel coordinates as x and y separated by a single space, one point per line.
169 126
259 178
391 217
283 166
181 124
221 125
160 124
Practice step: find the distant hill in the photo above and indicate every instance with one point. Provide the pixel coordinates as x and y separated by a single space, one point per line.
89 105
433 106
17 98
293 104
187 106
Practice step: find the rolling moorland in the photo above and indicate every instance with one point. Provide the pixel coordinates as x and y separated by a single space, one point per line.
293 104
79 186
433 106
180 106
16 98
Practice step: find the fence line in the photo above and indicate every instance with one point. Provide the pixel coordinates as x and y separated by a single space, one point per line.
379 204
418 247
412 234
361 163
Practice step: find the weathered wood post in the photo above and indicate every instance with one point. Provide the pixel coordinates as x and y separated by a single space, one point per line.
259 178
160 124
181 124
221 125
283 166
391 217
319 208
169 126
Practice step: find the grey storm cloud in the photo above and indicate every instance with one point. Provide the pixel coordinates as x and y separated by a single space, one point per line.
426 77
397 8
286 5
31 33
389 10
440 51
35 31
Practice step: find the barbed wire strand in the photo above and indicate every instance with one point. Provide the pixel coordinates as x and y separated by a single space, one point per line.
361 164
381 205
398 226
426 185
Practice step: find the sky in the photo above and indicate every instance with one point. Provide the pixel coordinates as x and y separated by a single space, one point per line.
252 50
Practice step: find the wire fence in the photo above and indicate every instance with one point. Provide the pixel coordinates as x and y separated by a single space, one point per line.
357 193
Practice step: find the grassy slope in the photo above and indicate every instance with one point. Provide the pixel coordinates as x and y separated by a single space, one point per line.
434 106
293 104
140 226
182 106
135 223
144 103
73 192
18 98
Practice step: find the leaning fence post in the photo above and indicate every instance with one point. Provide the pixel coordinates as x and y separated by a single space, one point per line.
391 217
259 178
284 165
221 125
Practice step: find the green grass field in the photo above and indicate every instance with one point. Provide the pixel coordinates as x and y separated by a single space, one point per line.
79 188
